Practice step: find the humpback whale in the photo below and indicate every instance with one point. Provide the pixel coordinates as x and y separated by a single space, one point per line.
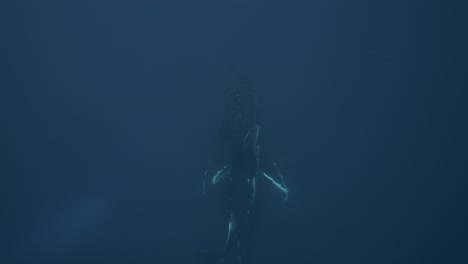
239 169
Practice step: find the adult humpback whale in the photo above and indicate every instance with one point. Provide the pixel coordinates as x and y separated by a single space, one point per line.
240 169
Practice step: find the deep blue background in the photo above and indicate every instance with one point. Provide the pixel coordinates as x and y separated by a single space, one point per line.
109 111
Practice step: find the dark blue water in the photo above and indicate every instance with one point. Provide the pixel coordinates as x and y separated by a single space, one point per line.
109 112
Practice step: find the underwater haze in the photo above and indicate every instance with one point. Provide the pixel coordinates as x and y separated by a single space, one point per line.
109 114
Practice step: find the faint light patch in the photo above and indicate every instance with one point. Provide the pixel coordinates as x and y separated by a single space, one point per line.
64 231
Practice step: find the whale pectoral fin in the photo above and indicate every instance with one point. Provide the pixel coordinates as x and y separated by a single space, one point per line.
221 174
232 227
276 179
216 176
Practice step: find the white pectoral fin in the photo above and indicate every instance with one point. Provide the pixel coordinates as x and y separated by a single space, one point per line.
279 185
218 176
229 232
231 229
221 174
